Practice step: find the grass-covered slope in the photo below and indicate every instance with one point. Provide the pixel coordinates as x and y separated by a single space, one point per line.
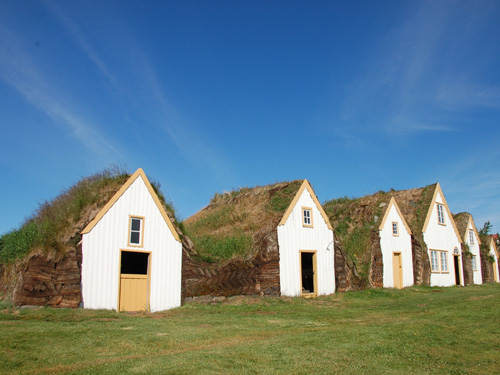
418 330
226 228
56 225
356 221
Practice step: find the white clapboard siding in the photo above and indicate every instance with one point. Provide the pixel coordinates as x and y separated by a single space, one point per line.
101 253
443 237
390 244
474 248
293 237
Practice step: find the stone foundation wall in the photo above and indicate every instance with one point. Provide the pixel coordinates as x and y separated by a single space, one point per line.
45 280
257 275
467 269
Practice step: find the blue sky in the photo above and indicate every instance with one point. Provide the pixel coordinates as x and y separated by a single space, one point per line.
211 96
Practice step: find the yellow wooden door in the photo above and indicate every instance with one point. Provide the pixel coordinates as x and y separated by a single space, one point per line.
397 270
134 292
495 271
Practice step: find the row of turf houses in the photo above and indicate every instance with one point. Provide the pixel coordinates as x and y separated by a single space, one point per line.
121 247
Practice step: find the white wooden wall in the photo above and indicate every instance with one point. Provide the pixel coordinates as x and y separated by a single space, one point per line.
443 237
101 253
293 237
390 244
496 271
474 249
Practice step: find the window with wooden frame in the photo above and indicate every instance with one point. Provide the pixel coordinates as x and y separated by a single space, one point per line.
474 263
439 261
440 210
471 237
135 231
395 229
307 217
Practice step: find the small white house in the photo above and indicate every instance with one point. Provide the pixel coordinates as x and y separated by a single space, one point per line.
467 229
306 248
494 255
395 244
443 242
131 253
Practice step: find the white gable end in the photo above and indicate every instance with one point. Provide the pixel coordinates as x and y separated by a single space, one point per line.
474 248
443 238
294 237
101 249
391 244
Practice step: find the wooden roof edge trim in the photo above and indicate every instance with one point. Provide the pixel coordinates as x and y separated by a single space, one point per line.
395 203
306 185
445 203
138 173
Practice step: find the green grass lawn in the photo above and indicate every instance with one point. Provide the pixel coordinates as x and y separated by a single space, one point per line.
414 331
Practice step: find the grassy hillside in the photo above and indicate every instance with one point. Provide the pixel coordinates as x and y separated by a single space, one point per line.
56 225
419 330
226 228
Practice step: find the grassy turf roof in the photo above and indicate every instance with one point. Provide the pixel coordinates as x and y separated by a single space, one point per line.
461 221
228 226
355 220
56 225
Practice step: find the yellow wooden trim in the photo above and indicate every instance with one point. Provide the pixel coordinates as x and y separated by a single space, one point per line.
315 271
119 193
311 217
445 204
400 269
305 185
148 302
130 217
132 276
386 215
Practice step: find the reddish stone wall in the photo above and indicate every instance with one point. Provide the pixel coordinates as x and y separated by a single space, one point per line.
53 282
377 263
467 269
257 275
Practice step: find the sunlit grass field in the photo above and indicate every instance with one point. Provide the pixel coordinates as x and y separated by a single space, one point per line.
414 331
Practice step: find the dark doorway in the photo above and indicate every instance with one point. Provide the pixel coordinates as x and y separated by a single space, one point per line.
308 270
134 263
457 269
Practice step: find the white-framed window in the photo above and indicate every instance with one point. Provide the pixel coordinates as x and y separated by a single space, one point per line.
474 263
439 261
307 217
395 228
471 237
440 210
136 230
434 261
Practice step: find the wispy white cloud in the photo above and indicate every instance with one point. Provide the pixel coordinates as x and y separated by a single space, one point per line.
463 95
19 71
80 39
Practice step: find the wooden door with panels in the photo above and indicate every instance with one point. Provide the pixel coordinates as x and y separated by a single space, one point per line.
397 270
134 280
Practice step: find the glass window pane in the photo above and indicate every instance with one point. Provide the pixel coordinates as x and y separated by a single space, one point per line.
136 224
135 237
444 261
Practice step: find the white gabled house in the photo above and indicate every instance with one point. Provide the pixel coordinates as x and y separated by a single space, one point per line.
131 253
443 242
470 237
306 248
395 244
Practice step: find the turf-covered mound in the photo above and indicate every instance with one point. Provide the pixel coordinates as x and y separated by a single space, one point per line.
356 225
40 262
235 242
